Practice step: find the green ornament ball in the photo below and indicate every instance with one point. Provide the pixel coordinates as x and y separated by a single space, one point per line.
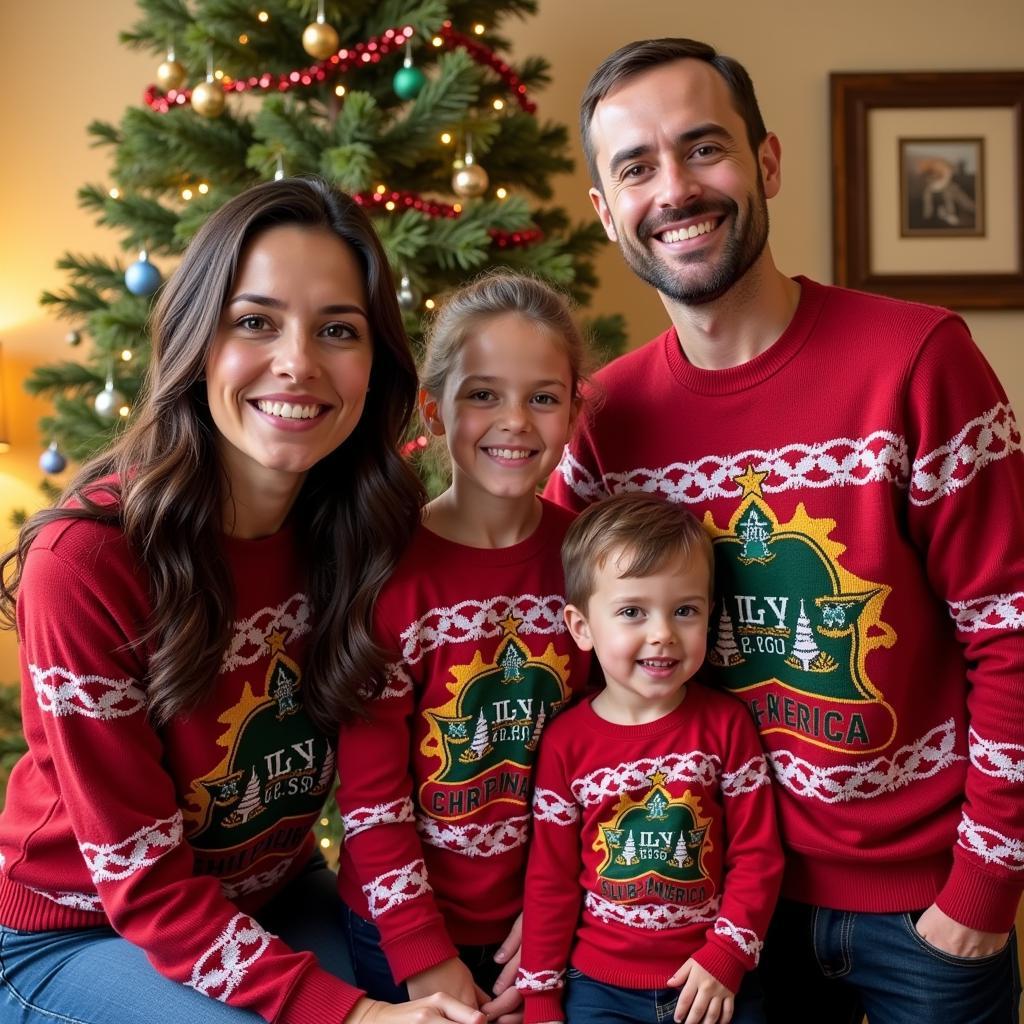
408 82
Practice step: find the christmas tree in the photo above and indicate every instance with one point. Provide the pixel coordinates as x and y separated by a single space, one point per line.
412 106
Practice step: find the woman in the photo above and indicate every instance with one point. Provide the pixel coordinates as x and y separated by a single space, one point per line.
195 620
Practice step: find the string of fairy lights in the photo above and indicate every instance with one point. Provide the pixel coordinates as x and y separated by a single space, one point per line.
209 98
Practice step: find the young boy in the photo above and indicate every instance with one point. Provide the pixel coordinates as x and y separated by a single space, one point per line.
652 804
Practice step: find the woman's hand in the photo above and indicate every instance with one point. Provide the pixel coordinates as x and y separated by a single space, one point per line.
436 1009
451 977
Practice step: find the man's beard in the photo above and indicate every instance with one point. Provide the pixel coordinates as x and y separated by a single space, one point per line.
744 244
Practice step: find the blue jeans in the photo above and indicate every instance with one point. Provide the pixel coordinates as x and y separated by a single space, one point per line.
374 974
589 1001
92 976
834 965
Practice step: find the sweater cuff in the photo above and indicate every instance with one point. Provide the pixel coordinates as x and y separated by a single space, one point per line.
719 962
977 899
539 1007
416 951
317 998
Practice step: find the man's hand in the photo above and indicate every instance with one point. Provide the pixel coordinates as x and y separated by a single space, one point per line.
704 999
452 977
435 1009
507 1006
942 932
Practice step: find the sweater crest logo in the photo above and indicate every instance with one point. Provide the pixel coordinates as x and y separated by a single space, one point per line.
655 847
270 784
795 628
485 738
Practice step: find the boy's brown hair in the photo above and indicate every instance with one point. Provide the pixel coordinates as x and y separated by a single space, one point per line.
647 529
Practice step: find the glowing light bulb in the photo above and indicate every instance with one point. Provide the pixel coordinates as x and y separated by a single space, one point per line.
218 74
339 90
381 189
186 194
499 104
430 303
325 822
124 411
203 188
263 16
437 41
389 205
325 843
457 207
126 355
243 39
446 138
502 193
114 193
479 29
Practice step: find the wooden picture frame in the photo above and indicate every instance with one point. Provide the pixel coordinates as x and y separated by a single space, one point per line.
872 112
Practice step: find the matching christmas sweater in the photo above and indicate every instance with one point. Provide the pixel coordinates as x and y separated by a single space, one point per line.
863 483
437 780
665 833
174 836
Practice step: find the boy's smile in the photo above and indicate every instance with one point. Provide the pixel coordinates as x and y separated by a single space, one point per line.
649 634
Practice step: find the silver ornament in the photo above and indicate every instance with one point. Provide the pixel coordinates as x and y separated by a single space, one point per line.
406 296
109 402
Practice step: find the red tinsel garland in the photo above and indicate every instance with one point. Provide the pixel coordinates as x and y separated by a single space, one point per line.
349 58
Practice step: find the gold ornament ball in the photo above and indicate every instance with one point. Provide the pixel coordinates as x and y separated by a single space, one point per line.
320 40
171 75
470 181
208 99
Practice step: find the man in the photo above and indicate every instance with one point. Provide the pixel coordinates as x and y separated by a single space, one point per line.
860 472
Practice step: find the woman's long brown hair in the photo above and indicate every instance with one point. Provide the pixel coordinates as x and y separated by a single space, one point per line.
161 482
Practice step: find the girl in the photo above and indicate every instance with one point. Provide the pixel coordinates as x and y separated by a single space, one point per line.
438 778
192 618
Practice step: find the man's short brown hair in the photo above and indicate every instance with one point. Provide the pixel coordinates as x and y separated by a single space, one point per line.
644 54
647 529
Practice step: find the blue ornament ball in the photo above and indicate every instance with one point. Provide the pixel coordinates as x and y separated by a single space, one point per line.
408 82
52 461
142 278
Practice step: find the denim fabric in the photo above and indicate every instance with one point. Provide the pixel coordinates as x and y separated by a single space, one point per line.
92 976
588 1001
374 974
833 965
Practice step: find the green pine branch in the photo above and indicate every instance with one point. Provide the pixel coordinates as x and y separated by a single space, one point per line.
92 272
145 223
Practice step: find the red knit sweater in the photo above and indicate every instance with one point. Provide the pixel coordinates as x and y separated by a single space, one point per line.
666 833
863 483
435 786
171 836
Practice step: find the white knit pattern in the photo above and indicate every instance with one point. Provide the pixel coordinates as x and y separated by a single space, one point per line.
397 682
864 780
481 620
223 967
994 611
745 938
258 882
751 775
248 636
554 808
837 462
111 862
986 439
75 900
991 846
362 818
539 981
59 691
998 760
396 887
475 840
695 766
652 916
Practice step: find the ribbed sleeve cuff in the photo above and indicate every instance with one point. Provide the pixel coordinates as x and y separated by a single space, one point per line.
978 899
539 1007
319 998
416 951
722 964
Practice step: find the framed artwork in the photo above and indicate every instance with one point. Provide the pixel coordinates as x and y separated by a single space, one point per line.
928 185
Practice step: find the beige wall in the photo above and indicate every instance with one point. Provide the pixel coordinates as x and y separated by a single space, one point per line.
61 66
